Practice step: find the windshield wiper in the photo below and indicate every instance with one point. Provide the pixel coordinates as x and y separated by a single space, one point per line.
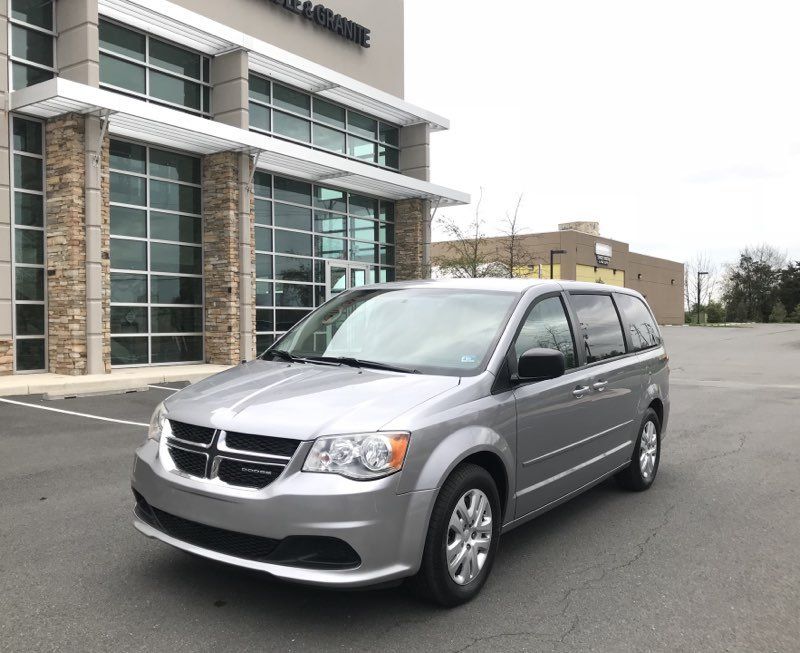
280 353
360 362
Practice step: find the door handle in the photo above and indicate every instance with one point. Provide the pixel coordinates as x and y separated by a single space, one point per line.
579 391
600 385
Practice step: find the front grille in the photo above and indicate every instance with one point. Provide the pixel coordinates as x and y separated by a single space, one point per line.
261 444
247 474
191 433
189 462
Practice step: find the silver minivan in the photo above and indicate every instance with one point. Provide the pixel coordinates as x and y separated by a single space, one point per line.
400 428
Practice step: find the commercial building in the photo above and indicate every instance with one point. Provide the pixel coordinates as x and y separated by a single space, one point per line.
579 253
183 181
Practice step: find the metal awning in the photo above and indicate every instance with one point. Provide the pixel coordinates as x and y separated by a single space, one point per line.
136 119
198 32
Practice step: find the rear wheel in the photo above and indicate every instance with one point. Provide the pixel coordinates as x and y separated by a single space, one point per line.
462 538
641 473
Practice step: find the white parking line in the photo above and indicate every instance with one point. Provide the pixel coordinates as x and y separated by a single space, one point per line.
162 387
69 412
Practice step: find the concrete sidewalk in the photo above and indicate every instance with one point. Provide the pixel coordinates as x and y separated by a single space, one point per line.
134 378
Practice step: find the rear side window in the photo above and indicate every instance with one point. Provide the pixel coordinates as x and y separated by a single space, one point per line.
644 332
600 330
546 326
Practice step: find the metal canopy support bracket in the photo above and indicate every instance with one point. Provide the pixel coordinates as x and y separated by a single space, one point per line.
254 159
104 118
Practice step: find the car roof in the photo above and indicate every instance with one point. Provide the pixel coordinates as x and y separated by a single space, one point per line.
497 284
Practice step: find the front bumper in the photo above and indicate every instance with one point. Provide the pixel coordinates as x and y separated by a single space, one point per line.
387 530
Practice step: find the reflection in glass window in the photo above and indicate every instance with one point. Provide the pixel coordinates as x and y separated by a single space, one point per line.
600 330
641 324
547 327
32 42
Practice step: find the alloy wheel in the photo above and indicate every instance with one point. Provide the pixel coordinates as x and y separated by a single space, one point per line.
469 536
648 449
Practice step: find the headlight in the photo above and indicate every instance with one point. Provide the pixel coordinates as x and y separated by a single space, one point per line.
157 423
360 456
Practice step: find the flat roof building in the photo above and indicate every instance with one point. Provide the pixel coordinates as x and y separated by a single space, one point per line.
579 253
183 181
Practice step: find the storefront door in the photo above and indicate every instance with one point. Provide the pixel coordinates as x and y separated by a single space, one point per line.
342 275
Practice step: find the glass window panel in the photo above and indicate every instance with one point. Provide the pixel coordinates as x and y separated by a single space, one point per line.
262 183
388 134
363 229
176 258
206 99
122 41
259 89
328 138
29 209
171 165
388 156
32 45
265 320
287 98
600 329
361 149
642 326
30 354
29 284
292 269
129 351
23 76
174 197
386 233
263 293
259 117
385 255
35 12
319 269
264 266
183 228
291 242
319 295
328 113
294 217
330 247
363 207
291 294
171 57
290 190
174 90
122 74
206 69
263 212
362 125
547 327
363 252
330 198
387 210
285 319
176 320
126 221
27 172
27 136
30 319
291 126
177 349
128 319
127 156
127 189
263 342
175 290
128 288
263 239
330 223
29 246
128 254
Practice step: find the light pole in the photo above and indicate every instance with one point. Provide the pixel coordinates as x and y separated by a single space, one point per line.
553 252
698 295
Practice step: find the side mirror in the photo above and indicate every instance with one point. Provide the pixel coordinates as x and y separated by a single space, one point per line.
540 365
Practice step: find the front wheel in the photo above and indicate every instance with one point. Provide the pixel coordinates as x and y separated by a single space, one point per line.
641 473
462 538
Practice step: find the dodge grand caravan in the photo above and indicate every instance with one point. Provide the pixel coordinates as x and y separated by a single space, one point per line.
400 428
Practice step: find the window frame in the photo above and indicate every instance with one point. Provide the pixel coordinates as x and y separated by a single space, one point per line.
576 321
313 122
626 326
204 111
12 59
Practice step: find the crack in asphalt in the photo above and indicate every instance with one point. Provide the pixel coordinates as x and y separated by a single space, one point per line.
724 454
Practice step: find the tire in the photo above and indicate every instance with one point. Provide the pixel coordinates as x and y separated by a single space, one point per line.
469 487
641 473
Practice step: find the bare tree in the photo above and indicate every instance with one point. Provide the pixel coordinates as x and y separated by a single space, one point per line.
508 255
468 253
701 262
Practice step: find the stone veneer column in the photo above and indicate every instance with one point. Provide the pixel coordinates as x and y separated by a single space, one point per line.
221 258
412 239
66 244
6 318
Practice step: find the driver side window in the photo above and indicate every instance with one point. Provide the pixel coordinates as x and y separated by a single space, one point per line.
547 327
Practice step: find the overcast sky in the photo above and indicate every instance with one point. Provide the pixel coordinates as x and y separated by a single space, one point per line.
676 125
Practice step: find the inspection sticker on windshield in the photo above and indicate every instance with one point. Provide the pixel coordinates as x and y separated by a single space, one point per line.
468 358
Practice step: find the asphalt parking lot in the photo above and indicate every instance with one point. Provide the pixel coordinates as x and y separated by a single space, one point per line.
708 559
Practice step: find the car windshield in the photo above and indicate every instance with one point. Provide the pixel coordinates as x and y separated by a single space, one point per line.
427 330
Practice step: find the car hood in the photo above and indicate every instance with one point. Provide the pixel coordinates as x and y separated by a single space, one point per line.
303 401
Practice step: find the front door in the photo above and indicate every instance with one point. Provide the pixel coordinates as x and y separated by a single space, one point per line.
343 275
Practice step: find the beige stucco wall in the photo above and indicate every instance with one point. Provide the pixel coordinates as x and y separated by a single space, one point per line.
380 65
